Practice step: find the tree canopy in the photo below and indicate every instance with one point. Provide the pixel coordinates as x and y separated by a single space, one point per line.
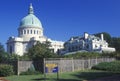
40 50
3 54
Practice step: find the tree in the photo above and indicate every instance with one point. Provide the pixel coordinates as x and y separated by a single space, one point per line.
1 48
116 43
2 51
40 50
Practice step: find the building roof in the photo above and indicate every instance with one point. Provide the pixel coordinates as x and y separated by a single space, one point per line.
30 20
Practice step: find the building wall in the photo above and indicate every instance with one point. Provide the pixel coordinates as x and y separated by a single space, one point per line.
18 48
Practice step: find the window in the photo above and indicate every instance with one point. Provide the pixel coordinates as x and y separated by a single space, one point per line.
27 31
24 31
96 46
34 32
31 32
101 45
37 31
11 49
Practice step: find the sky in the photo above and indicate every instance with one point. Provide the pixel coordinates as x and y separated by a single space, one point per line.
62 19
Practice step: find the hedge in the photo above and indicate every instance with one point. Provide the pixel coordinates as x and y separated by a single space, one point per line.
108 66
6 70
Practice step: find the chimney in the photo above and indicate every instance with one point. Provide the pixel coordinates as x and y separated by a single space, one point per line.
86 35
102 37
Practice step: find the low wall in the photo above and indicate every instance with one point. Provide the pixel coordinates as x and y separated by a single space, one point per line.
64 64
70 64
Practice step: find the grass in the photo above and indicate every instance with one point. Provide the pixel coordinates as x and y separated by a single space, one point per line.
69 76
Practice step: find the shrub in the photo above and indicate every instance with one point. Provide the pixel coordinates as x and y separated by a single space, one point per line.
30 71
83 55
6 70
108 66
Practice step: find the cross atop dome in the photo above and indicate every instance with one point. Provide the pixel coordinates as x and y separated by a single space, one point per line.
31 10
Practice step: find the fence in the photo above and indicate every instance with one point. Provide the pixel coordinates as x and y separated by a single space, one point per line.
70 64
64 64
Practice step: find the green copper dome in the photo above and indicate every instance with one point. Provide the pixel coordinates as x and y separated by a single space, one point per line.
30 20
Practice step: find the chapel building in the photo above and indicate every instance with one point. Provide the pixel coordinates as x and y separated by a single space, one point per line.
29 32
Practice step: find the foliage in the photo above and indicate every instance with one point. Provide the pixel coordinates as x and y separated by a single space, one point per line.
92 55
6 70
1 48
13 57
116 43
108 66
2 51
24 57
30 71
40 50
83 55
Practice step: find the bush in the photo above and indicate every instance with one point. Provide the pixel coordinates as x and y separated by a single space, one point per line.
30 71
83 55
6 70
108 66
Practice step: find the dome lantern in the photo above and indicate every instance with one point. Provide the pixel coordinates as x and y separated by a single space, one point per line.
31 10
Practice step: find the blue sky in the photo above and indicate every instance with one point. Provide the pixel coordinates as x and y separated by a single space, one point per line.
62 19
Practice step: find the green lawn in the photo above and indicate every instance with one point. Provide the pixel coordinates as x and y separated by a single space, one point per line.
69 76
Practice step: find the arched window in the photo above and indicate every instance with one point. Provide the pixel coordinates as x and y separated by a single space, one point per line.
31 31
27 31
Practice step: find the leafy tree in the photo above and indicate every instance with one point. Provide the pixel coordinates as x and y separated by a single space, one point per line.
40 50
1 48
116 43
2 52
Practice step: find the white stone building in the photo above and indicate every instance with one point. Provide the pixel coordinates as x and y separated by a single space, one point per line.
29 32
87 43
